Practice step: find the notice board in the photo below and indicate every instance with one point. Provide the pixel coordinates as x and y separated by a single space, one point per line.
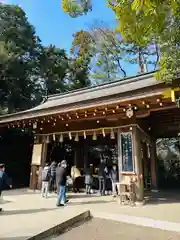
36 155
127 152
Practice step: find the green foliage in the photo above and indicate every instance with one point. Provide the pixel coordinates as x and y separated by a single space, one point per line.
109 55
54 68
28 70
83 44
76 8
105 52
19 51
78 73
142 22
157 21
168 153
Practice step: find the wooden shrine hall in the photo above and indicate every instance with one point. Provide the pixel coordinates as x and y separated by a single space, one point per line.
119 121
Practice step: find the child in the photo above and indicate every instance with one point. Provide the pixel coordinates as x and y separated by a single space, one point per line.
45 180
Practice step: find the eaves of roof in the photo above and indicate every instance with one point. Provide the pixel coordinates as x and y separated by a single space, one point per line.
89 97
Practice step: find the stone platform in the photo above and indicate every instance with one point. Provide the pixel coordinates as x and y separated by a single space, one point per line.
27 214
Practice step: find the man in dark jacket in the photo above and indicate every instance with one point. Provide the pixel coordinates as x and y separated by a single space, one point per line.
4 180
61 178
102 172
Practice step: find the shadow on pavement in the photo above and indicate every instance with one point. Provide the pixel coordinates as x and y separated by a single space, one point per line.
164 197
26 211
14 238
2 201
88 202
74 196
19 192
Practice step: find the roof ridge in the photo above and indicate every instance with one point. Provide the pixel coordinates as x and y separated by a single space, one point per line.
95 87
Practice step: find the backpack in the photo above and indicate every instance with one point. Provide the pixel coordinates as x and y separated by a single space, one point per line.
46 174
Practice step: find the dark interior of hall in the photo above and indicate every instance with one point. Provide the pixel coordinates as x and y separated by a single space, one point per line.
16 152
84 152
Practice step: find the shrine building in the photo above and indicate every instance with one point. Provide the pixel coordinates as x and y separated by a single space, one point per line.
118 121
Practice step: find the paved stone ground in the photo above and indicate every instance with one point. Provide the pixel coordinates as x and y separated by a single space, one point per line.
26 213
99 229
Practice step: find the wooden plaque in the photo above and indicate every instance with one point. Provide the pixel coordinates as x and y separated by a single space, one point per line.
36 156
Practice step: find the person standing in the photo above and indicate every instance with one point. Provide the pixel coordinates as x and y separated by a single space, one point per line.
45 180
114 176
61 177
102 177
4 180
89 178
75 174
52 181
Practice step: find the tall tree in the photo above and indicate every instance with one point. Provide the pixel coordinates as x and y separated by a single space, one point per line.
28 70
143 22
107 53
19 50
54 68
82 51
153 21
78 75
97 50
143 56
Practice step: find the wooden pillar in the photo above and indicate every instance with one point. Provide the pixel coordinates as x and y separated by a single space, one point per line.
119 152
153 156
37 163
138 164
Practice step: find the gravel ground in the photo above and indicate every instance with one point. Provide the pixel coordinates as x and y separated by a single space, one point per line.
99 229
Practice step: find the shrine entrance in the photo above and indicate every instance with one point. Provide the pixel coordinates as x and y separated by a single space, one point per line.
84 151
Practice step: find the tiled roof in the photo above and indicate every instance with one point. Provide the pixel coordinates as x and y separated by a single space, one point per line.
87 96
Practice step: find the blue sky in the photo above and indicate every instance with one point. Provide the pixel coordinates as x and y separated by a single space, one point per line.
53 26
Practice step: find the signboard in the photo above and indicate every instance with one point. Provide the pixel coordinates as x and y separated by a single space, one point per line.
126 152
36 156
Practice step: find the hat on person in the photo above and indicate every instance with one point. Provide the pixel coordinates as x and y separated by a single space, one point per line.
2 165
